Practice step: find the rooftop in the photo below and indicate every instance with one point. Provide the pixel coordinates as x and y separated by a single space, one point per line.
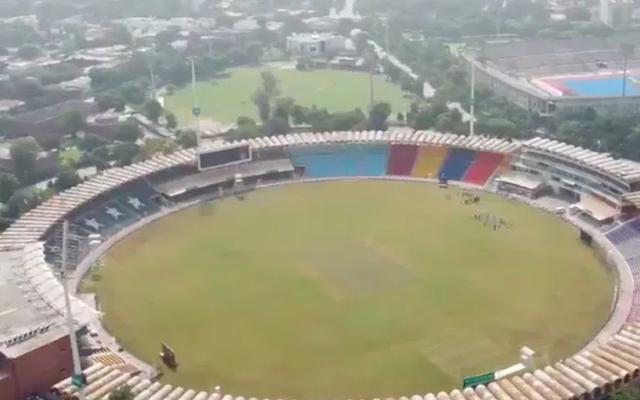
626 170
54 111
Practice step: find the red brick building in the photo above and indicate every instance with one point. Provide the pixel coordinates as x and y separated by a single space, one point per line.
35 365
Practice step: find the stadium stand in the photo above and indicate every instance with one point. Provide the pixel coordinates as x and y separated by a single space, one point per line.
626 238
456 164
428 161
401 159
483 167
120 197
577 172
524 71
340 160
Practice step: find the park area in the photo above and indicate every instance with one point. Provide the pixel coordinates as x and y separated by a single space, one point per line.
351 289
224 100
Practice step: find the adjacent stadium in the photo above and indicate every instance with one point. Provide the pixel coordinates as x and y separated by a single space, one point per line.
333 265
545 75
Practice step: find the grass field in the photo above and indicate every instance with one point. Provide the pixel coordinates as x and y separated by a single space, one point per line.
226 99
351 290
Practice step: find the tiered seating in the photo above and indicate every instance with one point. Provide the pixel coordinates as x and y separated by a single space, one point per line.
428 161
456 164
402 157
626 238
103 217
483 167
589 374
341 160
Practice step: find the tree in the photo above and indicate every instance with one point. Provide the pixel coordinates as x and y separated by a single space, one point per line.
187 139
24 152
262 101
172 122
378 116
72 122
299 114
109 101
424 120
27 88
125 153
246 128
153 146
21 202
122 393
120 35
152 110
450 121
8 185
28 52
498 127
400 117
269 84
66 178
91 141
578 14
283 107
132 93
276 126
128 131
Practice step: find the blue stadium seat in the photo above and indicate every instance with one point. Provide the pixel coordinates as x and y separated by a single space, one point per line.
456 164
341 160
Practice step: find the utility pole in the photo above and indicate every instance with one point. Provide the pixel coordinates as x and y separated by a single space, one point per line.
77 368
499 19
153 82
386 34
372 96
195 110
472 103
627 50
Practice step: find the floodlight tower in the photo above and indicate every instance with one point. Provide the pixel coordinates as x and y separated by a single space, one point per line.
472 102
372 60
195 109
387 21
627 50
502 6
152 80
78 378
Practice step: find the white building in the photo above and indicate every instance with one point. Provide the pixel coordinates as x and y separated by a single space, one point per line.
315 44
616 13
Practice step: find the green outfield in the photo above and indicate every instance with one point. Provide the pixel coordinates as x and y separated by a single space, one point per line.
351 290
226 99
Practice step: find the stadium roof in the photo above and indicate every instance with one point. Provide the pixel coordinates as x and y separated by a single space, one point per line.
54 111
34 224
533 47
623 169
219 175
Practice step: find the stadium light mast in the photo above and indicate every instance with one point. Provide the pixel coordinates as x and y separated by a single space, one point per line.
195 109
472 99
386 33
372 66
499 19
75 354
627 50
152 77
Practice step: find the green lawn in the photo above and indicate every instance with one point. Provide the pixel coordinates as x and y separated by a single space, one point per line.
351 290
227 99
